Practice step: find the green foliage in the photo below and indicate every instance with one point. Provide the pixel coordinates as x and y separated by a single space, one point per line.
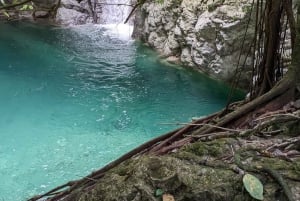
26 7
17 5
246 9
159 192
5 13
159 1
211 7
253 186
214 148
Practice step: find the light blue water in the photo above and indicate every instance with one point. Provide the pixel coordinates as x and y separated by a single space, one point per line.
73 99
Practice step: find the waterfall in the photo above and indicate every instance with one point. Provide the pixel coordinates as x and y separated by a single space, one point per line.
115 11
113 16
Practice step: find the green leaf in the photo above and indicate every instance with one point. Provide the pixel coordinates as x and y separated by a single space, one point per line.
23 7
159 192
26 7
253 186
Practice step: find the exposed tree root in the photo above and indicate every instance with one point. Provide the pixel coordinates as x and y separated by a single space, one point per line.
276 176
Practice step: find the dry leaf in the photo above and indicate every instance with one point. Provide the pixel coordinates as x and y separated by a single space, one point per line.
168 197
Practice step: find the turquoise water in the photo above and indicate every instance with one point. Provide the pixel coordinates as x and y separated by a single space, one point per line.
74 99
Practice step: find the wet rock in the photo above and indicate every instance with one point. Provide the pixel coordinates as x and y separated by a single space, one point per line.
173 60
41 14
297 104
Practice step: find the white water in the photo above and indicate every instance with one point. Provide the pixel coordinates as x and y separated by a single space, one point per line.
120 31
115 11
113 16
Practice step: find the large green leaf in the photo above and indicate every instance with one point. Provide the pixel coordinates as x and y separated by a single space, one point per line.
253 186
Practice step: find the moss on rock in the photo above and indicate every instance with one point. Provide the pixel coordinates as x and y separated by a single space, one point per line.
193 173
214 148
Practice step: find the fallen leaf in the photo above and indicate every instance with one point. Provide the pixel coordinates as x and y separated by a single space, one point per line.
253 186
168 197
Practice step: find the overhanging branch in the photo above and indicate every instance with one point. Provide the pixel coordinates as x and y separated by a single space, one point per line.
14 5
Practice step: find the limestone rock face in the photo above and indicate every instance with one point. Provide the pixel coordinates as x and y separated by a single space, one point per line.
76 12
205 35
71 12
62 12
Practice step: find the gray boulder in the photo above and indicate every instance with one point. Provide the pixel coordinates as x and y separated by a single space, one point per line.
205 35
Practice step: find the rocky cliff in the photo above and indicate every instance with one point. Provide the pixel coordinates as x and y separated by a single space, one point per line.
205 35
63 12
77 12
70 12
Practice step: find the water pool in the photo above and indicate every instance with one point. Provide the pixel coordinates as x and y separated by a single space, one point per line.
73 99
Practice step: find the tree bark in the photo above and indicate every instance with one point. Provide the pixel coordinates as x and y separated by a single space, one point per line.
269 62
